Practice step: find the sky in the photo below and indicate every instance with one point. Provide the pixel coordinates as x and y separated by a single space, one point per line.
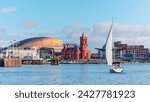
68 19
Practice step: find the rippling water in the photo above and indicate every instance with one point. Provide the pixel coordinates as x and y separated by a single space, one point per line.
75 74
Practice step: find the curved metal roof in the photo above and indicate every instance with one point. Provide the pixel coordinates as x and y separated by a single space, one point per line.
22 42
29 39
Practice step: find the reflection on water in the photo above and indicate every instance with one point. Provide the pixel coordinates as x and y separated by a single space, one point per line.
75 74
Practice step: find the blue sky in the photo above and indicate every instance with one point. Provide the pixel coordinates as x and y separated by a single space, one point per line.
67 19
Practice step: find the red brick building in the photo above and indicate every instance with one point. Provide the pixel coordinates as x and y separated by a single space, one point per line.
125 51
136 51
73 51
70 51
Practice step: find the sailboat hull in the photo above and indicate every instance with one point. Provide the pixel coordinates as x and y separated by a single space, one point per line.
116 70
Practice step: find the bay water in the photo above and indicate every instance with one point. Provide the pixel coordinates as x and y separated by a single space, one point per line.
75 74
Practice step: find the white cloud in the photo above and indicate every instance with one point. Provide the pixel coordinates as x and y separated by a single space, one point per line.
133 34
8 10
47 33
2 31
73 32
130 34
28 24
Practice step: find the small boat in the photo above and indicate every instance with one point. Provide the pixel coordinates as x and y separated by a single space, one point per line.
115 67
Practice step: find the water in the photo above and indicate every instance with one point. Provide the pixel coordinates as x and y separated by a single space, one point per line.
75 74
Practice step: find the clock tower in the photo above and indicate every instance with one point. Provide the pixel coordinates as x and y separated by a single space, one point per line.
85 52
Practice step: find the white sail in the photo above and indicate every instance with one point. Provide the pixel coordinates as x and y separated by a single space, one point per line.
109 45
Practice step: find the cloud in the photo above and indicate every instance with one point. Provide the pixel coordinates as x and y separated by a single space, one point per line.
130 34
73 32
2 31
47 33
8 10
133 34
28 24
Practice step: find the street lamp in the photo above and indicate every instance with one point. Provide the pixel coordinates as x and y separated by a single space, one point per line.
13 42
17 45
11 48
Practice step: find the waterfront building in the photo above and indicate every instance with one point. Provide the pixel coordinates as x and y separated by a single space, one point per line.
47 53
26 53
132 51
73 51
43 42
94 56
101 52
33 48
126 52
85 52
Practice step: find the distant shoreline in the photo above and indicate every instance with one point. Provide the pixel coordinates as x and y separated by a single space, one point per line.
100 61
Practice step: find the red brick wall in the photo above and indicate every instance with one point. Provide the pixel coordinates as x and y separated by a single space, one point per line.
85 52
82 53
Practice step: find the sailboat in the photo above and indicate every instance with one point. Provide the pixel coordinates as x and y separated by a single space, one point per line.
115 67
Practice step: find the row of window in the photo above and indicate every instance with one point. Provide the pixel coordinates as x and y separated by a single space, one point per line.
131 52
135 47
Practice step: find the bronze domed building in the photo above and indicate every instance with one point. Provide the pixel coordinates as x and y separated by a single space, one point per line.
35 48
41 42
46 45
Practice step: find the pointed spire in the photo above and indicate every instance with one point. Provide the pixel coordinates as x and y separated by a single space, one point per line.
83 34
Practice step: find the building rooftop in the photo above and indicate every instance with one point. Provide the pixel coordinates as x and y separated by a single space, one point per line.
39 42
